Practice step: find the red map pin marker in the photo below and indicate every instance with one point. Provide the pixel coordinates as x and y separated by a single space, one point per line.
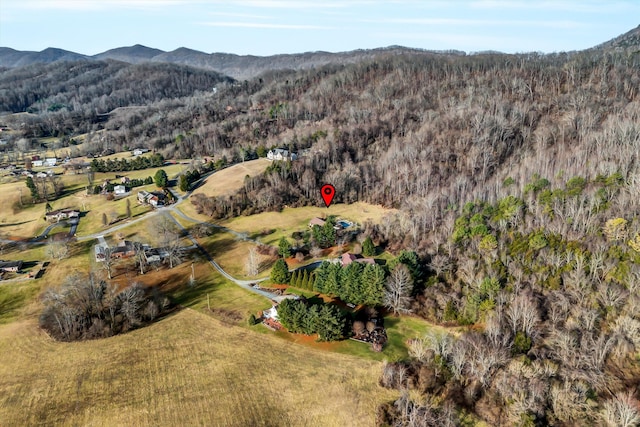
328 191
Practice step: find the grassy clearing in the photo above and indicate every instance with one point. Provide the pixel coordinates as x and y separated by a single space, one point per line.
231 179
187 369
284 223
291 219
231 253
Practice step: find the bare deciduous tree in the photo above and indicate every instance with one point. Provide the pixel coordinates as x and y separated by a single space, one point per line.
397 294
622 410
253 262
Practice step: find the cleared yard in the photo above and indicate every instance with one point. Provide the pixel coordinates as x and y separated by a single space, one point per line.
294 219
187 369
231 179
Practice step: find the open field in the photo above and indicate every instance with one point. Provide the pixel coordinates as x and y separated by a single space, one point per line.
187 369
231 179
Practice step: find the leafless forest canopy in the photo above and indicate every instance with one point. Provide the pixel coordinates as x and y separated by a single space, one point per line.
516 179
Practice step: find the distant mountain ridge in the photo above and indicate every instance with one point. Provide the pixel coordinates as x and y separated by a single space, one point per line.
248 66
236 66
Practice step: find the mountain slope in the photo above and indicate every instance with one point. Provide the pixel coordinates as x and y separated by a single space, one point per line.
628 40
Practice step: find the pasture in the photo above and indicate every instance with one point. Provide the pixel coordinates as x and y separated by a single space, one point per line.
187 369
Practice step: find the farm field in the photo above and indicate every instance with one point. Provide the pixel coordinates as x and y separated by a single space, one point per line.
187 369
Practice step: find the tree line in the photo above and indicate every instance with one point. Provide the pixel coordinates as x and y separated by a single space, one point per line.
123 165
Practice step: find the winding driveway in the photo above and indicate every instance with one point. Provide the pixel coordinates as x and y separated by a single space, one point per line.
246 284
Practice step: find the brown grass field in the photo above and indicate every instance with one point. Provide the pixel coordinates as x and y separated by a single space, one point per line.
187 369
231 179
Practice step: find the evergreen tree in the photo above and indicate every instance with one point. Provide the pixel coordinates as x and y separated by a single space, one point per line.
295 278
284 248
304 284
310 322
104 219
321 274
332 282
350 290
32 187
368 248
280 272
372 281
161 179
331 323
128 208
183 183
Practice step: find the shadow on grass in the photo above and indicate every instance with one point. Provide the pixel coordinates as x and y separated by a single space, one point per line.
16 223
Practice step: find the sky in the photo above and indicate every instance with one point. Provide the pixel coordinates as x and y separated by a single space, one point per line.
267 27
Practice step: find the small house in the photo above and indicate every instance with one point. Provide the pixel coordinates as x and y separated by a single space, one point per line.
281 154
317 221
119 190
37 163
142 196
139 151
125 249
61 214
50 162
157 199
348 258
99 253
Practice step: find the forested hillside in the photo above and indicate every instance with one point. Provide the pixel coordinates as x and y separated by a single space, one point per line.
68 97
516 178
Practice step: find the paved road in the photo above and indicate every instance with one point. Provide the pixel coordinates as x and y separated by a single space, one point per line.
246 284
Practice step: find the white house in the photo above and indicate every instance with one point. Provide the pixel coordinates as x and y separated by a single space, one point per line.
271 313
50 161
37 163
281 154
119 190
139 151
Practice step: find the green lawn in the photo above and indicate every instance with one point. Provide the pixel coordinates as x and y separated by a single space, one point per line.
212 290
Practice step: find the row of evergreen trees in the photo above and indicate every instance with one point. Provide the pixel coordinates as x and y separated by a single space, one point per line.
302 279
356 283
324 319
122 165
